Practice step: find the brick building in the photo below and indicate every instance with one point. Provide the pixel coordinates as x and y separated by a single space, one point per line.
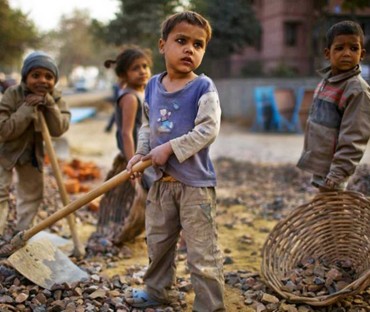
293 36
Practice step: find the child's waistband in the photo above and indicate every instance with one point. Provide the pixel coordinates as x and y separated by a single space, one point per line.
167 178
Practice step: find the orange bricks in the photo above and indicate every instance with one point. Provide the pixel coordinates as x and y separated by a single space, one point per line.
72 186
78 172
81 170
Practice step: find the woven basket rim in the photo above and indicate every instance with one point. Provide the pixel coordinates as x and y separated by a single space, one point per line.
268 267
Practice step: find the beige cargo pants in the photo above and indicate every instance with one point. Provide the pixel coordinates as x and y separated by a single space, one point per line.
29 193
172 207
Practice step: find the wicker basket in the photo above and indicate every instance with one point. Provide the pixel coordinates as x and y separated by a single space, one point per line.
333 226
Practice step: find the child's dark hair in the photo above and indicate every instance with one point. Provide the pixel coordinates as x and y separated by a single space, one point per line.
190 17
126 57
344 28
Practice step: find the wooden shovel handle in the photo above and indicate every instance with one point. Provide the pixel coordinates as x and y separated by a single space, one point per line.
79 250
84 199
53 158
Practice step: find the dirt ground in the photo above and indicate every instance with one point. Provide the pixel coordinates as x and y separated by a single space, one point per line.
258 184
256 172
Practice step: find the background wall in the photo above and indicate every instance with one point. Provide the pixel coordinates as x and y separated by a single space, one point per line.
236 95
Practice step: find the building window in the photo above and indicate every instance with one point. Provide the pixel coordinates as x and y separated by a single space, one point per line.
291 33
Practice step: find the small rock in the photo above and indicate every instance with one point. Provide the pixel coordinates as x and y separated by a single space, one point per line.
266 298
22 297
100 293
228 260
260 307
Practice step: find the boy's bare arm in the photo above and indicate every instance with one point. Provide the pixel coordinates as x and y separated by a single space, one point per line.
207 127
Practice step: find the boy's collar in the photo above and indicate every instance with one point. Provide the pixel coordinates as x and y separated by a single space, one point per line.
25 89
326 73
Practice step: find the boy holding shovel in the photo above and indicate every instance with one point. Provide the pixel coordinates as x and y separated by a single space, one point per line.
181 119
21 142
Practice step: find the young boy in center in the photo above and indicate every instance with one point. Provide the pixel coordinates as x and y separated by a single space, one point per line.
181 119
338 126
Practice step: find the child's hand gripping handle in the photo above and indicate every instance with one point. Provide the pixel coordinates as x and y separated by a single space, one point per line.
86 198
21 238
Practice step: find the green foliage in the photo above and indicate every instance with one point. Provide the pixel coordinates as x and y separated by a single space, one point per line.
352 5
138 22
17 34
284 71
76 43
234 25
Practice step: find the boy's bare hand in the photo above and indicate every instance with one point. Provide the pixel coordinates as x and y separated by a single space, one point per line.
134 160
34 99
160 154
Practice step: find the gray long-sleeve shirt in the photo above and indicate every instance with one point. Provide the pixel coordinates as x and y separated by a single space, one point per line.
190 120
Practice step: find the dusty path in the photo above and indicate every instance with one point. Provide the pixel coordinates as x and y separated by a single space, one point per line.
87 139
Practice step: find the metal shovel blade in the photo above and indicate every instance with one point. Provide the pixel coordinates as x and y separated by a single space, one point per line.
45 265
63 244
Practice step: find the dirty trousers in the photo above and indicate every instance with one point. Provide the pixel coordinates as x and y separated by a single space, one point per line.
29 192
172 207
